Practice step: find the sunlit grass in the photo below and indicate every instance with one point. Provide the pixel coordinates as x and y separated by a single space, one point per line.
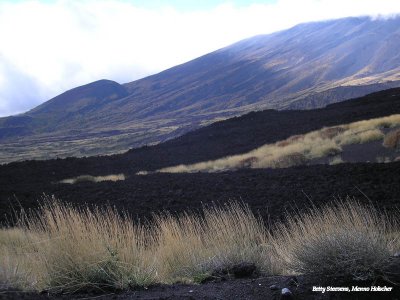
392 139
90 178
299 149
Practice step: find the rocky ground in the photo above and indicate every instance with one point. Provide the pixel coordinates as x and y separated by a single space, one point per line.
271 193
268 192
257 288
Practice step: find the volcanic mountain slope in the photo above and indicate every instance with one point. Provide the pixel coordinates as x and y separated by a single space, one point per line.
71 108
277 69
363 141
307 66
224 138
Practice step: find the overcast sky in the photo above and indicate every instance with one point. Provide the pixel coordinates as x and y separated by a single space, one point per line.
47 47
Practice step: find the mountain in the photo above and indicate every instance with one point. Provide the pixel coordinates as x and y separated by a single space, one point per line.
70 108
274 70
308 66
82 99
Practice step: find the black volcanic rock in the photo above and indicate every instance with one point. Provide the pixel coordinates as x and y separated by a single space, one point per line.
269 192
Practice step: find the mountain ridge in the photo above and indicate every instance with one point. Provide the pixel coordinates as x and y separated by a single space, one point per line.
307 66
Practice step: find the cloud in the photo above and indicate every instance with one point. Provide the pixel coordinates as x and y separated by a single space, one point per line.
23 90
48 47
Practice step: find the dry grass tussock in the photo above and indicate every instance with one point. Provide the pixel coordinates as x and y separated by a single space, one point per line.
336 160
392 139
345 239
298 149
63 248
90 178
192 247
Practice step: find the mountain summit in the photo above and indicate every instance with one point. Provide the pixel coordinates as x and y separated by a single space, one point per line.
308 66
276 70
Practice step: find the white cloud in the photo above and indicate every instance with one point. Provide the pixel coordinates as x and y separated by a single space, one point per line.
57 45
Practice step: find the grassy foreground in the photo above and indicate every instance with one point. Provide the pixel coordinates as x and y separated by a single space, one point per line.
65 249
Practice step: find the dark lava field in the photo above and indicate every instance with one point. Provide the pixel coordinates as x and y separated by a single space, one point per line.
269 192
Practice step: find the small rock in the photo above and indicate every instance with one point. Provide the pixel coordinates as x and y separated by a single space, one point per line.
397 254
274 287
286 293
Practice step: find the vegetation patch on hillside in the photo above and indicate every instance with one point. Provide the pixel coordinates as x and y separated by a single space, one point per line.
90 178
65 249
300 149
392 139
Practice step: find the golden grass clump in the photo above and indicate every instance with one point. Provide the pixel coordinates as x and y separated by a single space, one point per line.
346 240
90 178
192 247
336 160
94 248
75 248
353 136
383 122
293 159
68 249
14 261
392 139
